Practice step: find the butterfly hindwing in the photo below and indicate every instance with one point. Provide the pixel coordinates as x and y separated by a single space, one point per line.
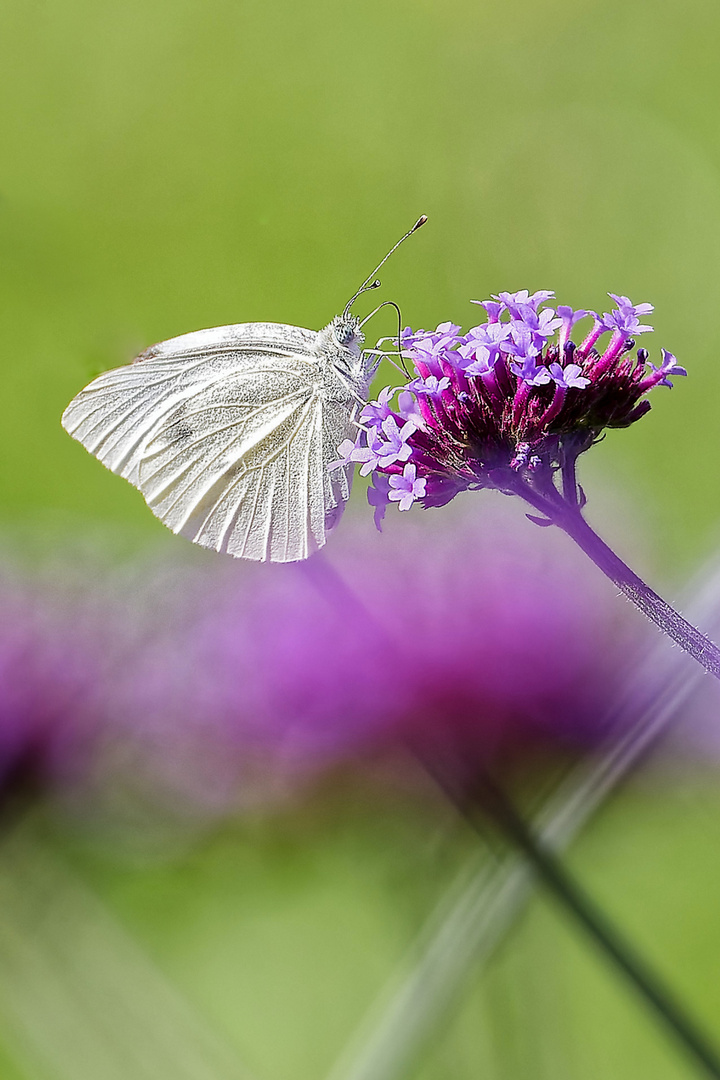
272 504
211 472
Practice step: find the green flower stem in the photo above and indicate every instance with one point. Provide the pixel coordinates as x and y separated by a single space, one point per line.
611 942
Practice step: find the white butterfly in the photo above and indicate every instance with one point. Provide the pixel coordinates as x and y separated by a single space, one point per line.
229 432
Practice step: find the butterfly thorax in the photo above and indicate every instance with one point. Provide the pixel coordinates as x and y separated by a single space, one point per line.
339 344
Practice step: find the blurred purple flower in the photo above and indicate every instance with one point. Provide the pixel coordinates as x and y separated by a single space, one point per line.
163 699
48 663
493 652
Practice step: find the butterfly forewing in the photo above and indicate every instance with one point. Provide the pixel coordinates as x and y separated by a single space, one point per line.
114 416
228 434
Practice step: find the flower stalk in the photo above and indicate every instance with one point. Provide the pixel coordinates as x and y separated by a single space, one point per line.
499 810
565 512
575 900
665 617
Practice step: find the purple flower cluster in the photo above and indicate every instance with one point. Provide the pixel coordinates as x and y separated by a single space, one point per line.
486 658
151 701
514 395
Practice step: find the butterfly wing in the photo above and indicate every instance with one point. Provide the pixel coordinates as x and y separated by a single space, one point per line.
226 433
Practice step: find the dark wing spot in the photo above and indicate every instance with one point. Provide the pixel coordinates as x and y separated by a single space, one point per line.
153 351
180 431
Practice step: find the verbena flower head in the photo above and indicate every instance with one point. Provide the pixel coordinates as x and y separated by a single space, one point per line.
516 398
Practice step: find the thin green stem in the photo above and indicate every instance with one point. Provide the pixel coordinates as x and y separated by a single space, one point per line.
612 943
499 809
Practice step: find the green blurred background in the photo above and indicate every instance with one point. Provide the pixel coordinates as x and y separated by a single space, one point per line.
170 166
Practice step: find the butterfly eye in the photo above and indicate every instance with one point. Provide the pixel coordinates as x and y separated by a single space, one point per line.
346 332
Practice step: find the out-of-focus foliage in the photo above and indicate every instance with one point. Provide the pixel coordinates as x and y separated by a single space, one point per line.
172 165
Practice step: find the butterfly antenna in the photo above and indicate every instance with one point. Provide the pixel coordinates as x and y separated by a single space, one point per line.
391 303
370 281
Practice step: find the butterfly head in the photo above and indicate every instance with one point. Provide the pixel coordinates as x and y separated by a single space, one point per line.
340 343
346 332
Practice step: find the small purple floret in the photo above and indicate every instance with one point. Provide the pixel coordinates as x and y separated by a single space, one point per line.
405 489
568 376
367 451
514 302
373 451
626 304
489 335
668 367
543 324
493 309
346 450
625 318
377 496
395 448
432 385
531 373
483 363
376 411
482 347
523 344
